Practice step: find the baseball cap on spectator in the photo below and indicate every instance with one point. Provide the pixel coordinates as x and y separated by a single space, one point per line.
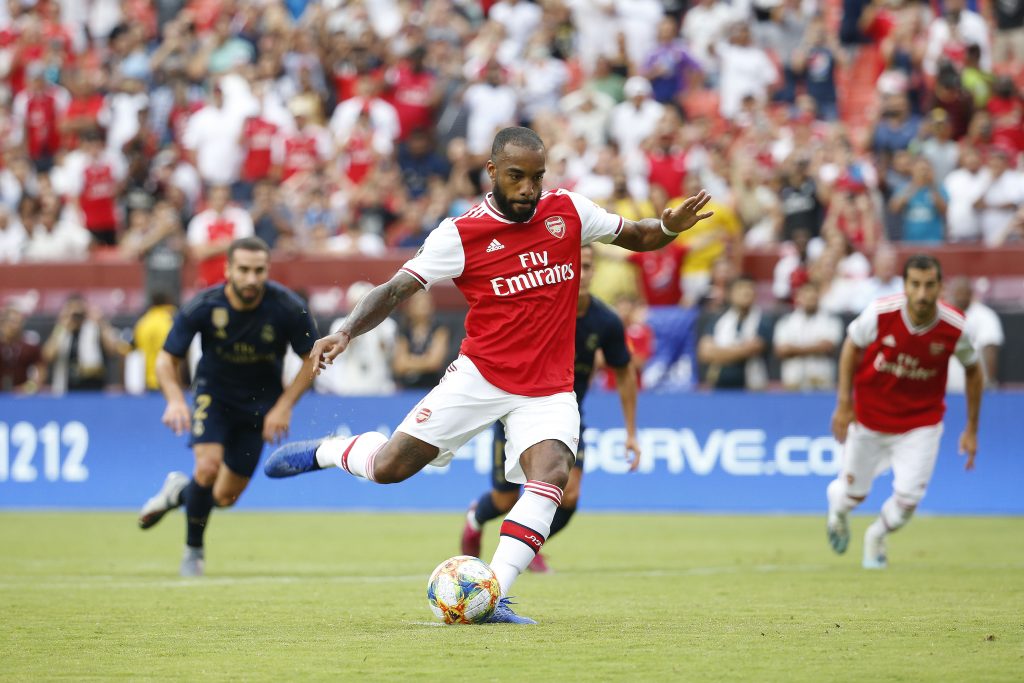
636 86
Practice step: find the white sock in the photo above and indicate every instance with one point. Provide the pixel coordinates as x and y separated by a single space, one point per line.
891 517
524 531
354 454
839 500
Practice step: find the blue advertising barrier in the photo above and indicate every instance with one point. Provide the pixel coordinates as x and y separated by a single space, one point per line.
713 452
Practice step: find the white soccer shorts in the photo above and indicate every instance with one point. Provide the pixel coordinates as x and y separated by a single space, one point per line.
911 455
463 404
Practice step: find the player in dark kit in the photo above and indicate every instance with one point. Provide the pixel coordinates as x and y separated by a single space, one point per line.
245 327
597 327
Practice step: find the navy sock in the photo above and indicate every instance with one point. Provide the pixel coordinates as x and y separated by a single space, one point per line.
198 503
562 517
486 510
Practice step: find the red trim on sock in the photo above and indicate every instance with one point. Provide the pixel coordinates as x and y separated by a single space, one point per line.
371 461
522 533
344 456
545 490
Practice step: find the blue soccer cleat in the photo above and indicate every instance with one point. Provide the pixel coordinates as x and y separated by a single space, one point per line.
503 614
838 529
292 458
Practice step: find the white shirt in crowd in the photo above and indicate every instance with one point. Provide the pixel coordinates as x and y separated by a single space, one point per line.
68 241
744 70
971 29
808 372
213 134
704 26
1008 188
846 291
964 189
490 108
638 20
383 119
588 111
630 125
12 238
984 329
365 367
520 19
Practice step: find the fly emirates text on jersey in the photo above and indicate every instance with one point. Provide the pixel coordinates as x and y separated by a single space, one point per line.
538 274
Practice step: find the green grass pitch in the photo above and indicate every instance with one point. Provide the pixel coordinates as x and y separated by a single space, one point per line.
336 597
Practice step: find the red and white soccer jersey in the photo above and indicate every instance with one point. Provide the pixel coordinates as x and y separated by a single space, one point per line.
900 384
521 281
210 226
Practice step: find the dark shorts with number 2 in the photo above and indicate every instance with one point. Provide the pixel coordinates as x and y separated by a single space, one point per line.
240 432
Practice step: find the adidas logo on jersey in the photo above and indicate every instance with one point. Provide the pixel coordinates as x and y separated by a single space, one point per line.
889 340
495 245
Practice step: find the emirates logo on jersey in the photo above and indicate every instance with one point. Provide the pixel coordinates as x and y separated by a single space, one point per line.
904 367
556 226
537 273
422 415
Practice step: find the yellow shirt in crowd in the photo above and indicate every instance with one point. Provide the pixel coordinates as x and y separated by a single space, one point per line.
725 222
150 334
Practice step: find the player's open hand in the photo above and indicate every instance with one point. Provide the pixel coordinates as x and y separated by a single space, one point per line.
841 420
178 418
969 447
275 424
633 453
687 214
327 349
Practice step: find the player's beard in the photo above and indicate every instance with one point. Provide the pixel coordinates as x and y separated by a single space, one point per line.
247 295
924 309
511 211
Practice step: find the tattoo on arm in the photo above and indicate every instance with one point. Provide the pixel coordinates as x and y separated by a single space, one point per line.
378 304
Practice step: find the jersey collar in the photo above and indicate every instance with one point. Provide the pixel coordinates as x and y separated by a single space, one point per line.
913 329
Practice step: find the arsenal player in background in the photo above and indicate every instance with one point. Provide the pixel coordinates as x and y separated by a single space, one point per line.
516 259
892 396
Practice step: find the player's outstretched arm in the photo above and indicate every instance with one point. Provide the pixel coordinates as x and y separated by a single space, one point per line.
371 311
969 438
278 419
626 383
843 415
650 233
176 416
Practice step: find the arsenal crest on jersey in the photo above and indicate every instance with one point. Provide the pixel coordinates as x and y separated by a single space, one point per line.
422 415
556 226
937 347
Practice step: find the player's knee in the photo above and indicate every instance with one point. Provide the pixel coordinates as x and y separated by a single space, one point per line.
205 472
392 470
225 499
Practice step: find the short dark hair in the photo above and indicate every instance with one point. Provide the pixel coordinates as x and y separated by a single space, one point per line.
742 278
922 262
518 136
248 244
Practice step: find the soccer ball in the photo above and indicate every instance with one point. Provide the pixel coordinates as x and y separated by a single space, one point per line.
463 590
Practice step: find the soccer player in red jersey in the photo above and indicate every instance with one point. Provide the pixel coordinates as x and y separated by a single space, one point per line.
516 259
891 399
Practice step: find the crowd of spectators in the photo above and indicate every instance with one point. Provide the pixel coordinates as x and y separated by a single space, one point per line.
164 129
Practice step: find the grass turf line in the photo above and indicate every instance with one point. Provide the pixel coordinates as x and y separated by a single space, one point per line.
342 597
